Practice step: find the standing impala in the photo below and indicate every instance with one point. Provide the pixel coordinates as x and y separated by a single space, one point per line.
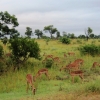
76 73
40 72
29 79
95 64
80 61
71 53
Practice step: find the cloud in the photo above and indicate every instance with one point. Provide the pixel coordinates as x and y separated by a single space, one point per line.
66 15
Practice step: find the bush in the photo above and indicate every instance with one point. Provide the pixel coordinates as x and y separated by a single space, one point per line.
49 63
1 51
93 87
65 40
90 49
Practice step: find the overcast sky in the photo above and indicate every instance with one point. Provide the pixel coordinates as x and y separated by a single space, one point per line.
71 16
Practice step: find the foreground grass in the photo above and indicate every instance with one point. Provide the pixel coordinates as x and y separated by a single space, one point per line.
13 84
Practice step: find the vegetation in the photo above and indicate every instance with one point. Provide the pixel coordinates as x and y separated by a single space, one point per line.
54 87
65 40
22 49
27 55
90 49
5 20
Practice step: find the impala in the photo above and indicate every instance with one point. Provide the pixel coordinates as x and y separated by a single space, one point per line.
70 66
95 64
80 61
47 56
8 54
73 66
29 79
56 59
76 73
65 56
71 53
40 72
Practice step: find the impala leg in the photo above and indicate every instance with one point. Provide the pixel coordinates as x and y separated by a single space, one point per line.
47 75
27 87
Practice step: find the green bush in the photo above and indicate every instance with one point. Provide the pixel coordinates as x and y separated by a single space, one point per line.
49 63
93 87
90 49
65 40
1 51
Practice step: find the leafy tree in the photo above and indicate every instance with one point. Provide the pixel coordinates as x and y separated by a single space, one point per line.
58 34
50 29
92 35
81 36
7 20
28 31
14 33
5 40
38 33
65 34
1 51
23 48
88 32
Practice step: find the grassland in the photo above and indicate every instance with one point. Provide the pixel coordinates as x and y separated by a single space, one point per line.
13 84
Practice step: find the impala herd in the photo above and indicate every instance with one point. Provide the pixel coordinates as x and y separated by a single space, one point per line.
73 68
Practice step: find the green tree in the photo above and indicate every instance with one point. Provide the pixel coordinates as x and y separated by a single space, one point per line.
22 49
92 35
81 36
50 29
38 33
58 34
5 40
28 31
6 21
88 32
14 33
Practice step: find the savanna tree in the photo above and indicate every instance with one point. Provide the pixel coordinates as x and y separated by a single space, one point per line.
28 31
6 21
57 34
88 32
38 33
50 29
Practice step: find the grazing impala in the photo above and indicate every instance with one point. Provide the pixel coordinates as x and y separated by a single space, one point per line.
80 61
71 66
71 53
47 56
65 56
95 64
56 59
8 54
76 73
29 79
40 72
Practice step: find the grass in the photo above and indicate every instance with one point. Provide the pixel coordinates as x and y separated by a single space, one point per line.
13 84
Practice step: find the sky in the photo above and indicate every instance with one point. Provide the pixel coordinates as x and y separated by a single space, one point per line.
70 16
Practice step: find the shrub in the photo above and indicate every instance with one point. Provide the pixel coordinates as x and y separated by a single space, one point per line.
49 63
90 49
65 40
79 41
1 51
93 87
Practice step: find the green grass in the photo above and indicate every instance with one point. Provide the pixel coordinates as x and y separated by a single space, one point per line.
13 84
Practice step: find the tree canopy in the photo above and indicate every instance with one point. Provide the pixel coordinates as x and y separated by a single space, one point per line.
50 29
7 20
